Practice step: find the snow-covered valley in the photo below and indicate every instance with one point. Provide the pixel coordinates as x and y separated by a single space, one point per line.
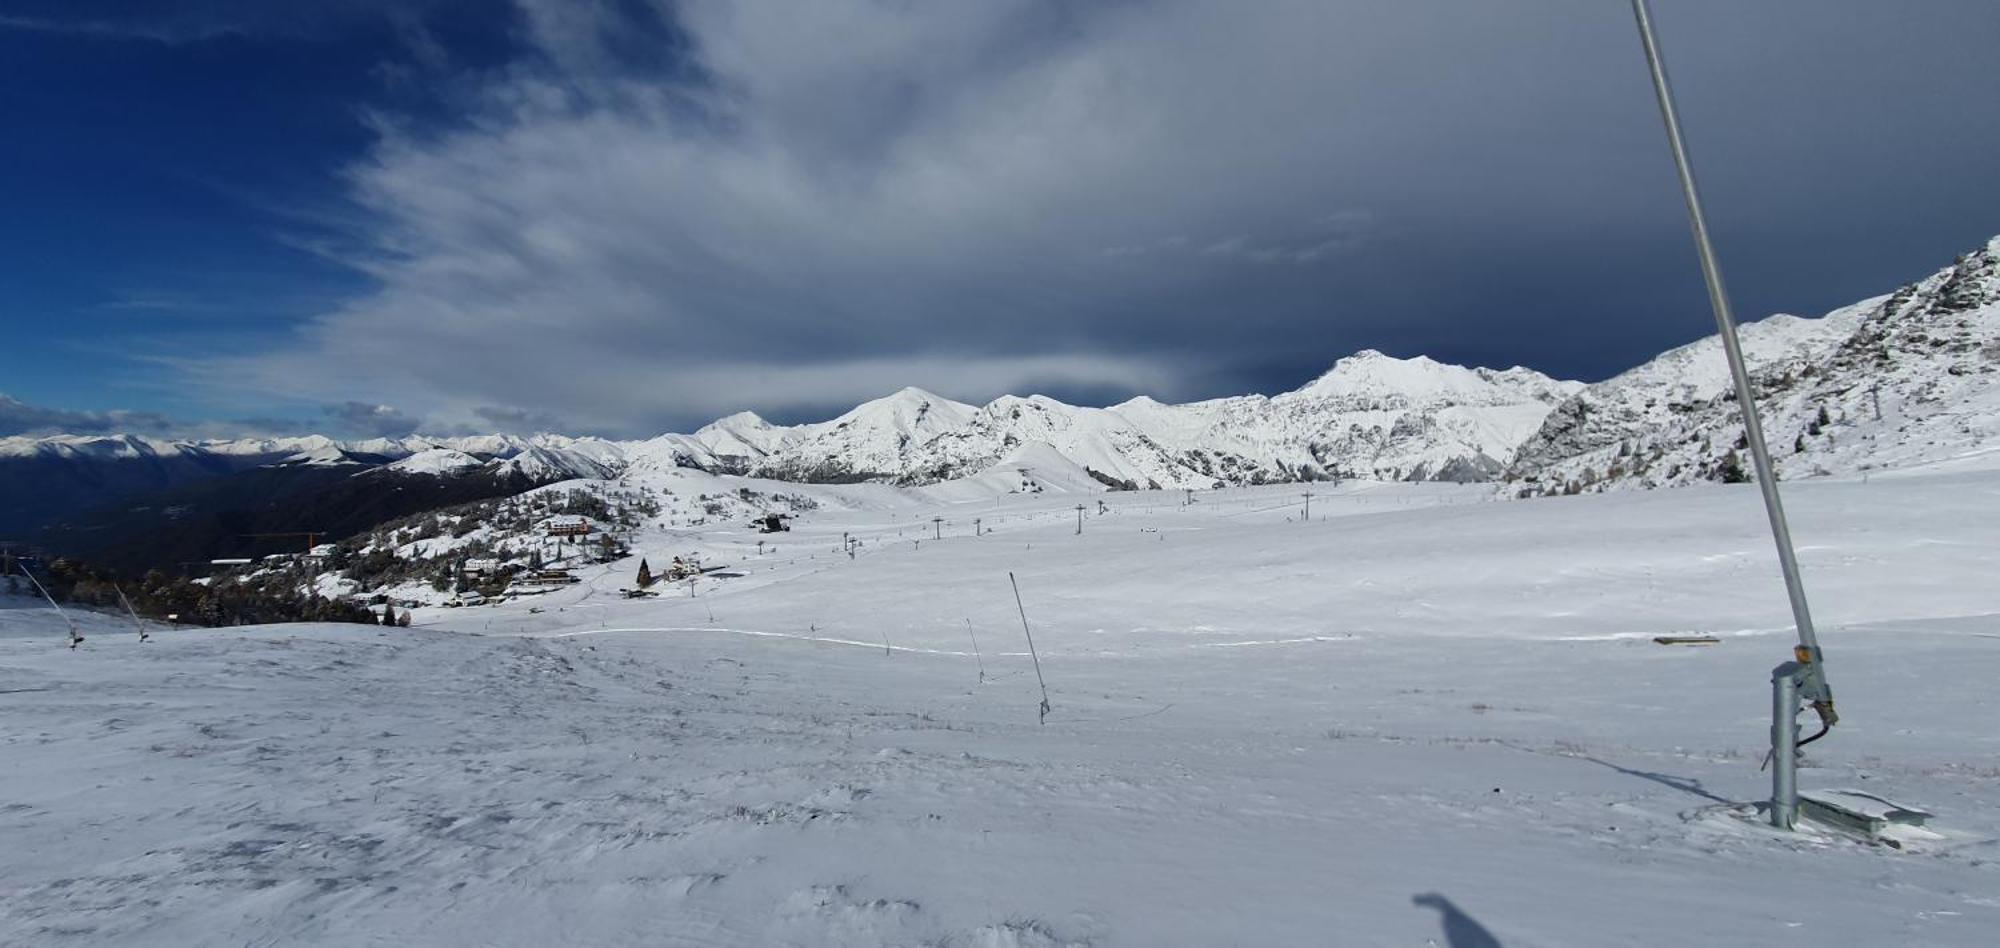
1423 716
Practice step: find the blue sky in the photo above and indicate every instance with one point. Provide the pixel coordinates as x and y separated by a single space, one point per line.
624 216
169 180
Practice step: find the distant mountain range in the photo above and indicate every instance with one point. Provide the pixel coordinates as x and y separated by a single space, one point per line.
1896 381
1371 416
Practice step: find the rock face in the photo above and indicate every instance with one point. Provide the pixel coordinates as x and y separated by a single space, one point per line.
1904 380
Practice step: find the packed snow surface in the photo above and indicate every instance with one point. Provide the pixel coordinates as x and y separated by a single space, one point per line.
1420 717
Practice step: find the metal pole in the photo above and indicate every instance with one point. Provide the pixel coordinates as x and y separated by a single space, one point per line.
1725 322
143 634
75 637
1785 745
1042 712
975 650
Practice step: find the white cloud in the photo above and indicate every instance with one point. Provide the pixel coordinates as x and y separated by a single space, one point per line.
824 201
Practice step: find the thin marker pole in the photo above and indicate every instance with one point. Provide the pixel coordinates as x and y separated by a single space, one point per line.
1044 713
1816 689
975 650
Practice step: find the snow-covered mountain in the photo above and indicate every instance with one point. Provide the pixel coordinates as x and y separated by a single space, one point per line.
1372 416
45 479
1908 379
1901 380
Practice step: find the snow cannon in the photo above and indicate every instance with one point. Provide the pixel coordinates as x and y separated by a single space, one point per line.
1803 679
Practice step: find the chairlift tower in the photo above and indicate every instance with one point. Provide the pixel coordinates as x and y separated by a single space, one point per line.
1804 678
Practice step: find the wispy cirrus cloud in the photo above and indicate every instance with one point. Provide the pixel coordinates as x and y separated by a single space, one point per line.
158 31
179 22
20 418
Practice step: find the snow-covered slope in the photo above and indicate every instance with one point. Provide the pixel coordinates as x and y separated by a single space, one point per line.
884 439
437 461
542 464
1413 722
1901 381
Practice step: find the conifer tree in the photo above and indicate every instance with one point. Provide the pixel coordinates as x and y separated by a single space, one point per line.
645 573
1732 469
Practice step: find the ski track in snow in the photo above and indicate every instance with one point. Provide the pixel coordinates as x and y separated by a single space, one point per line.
1411 722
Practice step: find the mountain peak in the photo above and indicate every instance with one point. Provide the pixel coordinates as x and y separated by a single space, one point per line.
740 420
1374 373
907 400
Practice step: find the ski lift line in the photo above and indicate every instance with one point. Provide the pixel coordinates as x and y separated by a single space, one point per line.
1241 513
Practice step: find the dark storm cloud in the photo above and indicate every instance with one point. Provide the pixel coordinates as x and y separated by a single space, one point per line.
797 206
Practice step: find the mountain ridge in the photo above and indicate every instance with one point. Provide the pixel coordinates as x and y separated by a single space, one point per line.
1896 381
1900 379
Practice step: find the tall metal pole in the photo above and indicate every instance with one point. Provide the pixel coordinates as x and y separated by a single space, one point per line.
1725 323
1043 711
75 637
